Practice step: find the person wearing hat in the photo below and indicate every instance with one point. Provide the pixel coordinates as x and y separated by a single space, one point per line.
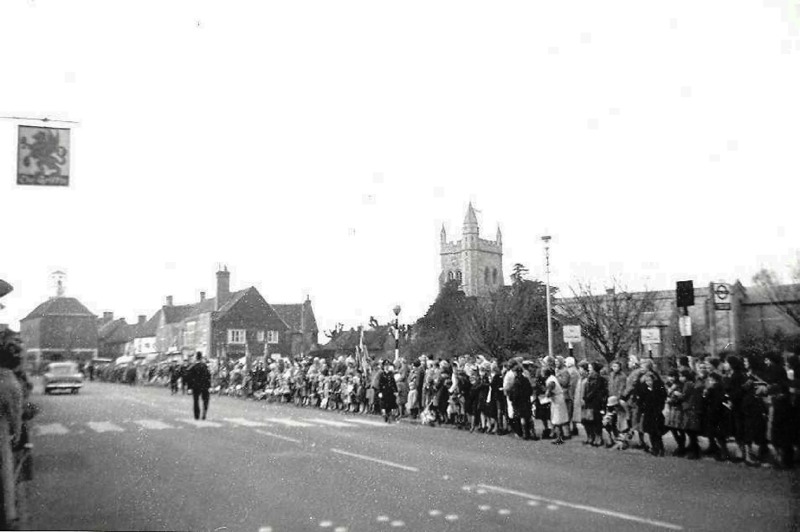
199 378
574 379
387 391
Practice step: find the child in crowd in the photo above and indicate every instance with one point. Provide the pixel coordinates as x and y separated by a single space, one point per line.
673 411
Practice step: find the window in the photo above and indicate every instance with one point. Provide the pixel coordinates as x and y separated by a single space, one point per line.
459 277
236 336
272 337
450 276
260 336
494 276
486 275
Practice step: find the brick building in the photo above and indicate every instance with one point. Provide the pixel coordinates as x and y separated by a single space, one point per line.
228 326
301 326
61 328
752 315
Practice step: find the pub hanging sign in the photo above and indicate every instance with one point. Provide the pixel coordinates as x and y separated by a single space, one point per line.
43 155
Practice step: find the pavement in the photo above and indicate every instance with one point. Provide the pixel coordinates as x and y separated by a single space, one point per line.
118 457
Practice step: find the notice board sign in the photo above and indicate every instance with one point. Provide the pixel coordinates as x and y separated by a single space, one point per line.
43 155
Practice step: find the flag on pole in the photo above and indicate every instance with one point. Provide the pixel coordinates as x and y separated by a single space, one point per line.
43 155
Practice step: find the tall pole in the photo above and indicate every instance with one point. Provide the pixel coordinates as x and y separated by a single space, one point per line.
396 333
546 240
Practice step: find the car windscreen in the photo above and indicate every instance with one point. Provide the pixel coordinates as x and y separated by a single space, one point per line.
63 370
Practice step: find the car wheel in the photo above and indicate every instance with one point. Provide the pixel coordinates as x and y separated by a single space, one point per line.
46 391
75 391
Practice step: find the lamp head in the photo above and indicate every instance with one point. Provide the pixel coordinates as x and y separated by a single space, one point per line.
396 310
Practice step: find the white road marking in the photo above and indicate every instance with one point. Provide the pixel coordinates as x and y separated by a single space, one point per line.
51 428
265 529
153 424
480 492
533 503
200 423
340 529
552 507
376 460
504 511
329 422
368 422
484 507
446 477
104 426
397 524
434 513
287 438
466 488
382 519
451 517
244 422
326 524
290 422
601 511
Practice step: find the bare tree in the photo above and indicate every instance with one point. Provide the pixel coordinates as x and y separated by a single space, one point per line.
610 321
785 297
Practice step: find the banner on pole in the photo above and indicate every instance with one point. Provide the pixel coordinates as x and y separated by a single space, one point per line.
43 155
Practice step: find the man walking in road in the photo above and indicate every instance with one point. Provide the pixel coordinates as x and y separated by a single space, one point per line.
199 380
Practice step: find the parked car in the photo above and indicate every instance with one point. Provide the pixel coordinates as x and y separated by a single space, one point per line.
62 376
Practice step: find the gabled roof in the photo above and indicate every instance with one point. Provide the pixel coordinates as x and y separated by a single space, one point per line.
59 306
146 329
106 330
234 298
121 334
292 316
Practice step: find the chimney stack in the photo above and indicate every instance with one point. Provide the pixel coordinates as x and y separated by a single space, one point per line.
108 316
223 286
142 319
202 296
169 301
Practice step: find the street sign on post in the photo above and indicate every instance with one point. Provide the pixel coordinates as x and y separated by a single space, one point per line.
572 334
722 296
685 325
651 335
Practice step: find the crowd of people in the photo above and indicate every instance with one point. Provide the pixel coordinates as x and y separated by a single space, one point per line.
714 400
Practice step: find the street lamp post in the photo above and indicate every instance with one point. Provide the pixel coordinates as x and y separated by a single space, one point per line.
396 310
546 240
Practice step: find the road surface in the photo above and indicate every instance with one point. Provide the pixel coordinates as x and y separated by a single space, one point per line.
116 457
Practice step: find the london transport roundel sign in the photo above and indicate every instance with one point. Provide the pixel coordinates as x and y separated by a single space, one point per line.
722 300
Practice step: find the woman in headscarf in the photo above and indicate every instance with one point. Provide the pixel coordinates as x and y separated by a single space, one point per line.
559 415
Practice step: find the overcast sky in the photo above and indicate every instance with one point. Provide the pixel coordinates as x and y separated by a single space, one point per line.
316 147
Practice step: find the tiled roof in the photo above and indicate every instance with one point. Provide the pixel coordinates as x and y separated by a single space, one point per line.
786 293
174 314
146 329
122 334
59 306
233 299
106 330
291 314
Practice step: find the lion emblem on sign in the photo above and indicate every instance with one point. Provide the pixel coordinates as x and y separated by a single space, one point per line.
43 156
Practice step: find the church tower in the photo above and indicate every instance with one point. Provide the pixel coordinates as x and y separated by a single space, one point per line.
477 264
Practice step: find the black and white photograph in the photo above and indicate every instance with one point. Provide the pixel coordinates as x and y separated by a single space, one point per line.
361 265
